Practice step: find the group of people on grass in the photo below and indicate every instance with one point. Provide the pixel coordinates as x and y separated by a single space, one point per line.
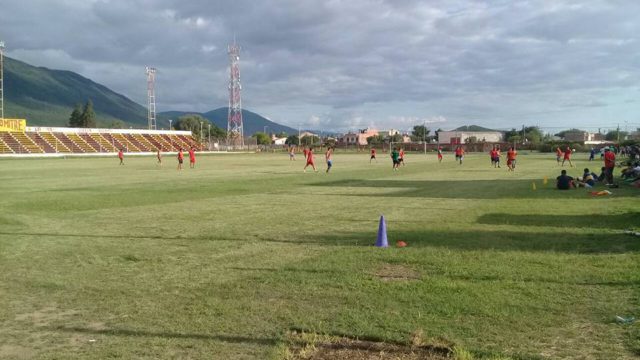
588 178
180 157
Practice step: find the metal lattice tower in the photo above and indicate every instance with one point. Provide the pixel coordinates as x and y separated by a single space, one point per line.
1 79
234 125
151 97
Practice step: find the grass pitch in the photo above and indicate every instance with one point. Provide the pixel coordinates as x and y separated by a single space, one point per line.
103 261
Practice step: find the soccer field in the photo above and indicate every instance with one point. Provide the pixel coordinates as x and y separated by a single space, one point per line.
224 261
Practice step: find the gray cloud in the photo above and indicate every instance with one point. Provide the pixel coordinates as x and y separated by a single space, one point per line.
343 64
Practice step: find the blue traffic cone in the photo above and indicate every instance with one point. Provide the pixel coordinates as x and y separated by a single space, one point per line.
382 233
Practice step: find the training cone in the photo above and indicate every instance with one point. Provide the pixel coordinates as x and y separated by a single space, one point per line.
533 186
382 233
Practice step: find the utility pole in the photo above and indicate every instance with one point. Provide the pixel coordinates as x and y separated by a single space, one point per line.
618 131
209 137
1 80
424 135
151 97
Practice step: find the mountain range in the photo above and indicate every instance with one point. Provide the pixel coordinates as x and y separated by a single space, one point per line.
46 97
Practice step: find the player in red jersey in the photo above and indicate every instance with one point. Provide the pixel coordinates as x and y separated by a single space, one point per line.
567 156
609 165
558 155
192 158
309 154
401 159
439 154
511 159
492 155
459 154
180 159
373 155
121 156
305 152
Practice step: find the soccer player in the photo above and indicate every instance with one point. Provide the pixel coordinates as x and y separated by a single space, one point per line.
395 157
373 155
511 159
459 154
192 158
558 154
492 155
121 156
497 159
180 159
439 154
305 152
609 165
329 158
159 156
567 156
309 154
292 153
401 158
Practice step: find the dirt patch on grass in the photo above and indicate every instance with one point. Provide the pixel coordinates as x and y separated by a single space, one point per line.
323 347
390 272
15 352
46 315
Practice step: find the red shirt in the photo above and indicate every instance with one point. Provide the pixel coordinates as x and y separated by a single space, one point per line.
558 152
192 155
180 155
305 152
567 153
609 159
120 155
459 151
373 151
401 154
493 153
309 156
511 155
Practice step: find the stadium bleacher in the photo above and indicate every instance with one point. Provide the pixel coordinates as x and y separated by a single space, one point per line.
46 140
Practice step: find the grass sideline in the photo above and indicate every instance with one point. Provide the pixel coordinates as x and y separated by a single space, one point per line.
105 261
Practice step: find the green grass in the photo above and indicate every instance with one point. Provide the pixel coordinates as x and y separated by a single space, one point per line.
105 261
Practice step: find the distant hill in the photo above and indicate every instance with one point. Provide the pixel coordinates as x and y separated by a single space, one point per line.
46 97
252 122
473 128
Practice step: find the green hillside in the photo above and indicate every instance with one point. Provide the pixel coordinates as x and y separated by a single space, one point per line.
252 121
472 128
46 97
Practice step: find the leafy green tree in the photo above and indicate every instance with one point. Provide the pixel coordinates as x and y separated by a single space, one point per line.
419 133
396 138
88 117
75 120
262 138
217 132
292 140
191 122
117 124
375 140
614 135
564 133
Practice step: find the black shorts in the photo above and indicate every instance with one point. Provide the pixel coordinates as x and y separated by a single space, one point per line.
180 161
373 156
395 162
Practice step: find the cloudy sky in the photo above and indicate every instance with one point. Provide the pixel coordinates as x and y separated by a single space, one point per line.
350 64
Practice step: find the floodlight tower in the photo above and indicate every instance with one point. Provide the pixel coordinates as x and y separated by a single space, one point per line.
151 97
234 124
1 79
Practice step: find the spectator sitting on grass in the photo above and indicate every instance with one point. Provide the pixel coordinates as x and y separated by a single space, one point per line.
602 175
631 172
587 180
565 182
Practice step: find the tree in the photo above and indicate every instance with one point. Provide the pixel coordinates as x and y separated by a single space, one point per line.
375 140
262 138
563 133
419 133
614 135
292 140
217 132
117 124
191 122
531 134
396 138
282 134
75 120
88 117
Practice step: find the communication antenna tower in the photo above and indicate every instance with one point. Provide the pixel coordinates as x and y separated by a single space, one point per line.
1 79
151 97
234 125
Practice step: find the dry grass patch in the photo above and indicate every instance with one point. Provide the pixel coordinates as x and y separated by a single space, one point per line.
392 272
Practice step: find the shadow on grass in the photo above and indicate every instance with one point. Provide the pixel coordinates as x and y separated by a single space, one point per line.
466 189
167 335
619 221
491 240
